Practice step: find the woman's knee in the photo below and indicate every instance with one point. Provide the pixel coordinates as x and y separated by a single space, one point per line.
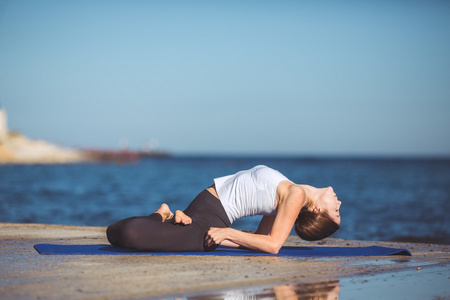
126 234
111 234
130 235
113 231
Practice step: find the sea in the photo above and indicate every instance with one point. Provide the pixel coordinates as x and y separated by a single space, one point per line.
383 199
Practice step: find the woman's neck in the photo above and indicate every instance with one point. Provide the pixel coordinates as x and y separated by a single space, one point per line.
310 194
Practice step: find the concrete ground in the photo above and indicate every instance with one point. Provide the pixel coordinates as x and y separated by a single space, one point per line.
25 274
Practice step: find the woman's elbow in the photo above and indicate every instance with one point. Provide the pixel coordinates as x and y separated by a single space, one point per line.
275 248
273 251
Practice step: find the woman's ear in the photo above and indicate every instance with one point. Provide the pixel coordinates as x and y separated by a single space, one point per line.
316 209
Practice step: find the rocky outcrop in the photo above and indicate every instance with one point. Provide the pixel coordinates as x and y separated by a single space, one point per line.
18 149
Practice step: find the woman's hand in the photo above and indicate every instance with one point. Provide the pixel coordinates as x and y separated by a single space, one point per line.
215 236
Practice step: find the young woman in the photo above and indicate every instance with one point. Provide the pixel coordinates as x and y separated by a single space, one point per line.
204 225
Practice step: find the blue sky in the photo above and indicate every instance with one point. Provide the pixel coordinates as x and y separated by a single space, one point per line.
230 77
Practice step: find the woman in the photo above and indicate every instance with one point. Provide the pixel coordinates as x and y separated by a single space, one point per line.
205 223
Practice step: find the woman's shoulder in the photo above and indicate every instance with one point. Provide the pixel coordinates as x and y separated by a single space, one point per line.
290 192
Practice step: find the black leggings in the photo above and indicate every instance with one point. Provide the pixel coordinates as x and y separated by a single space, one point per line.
151 234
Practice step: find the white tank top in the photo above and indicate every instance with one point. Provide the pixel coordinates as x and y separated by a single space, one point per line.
250 192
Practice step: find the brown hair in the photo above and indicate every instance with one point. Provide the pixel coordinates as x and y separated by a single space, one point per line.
311 226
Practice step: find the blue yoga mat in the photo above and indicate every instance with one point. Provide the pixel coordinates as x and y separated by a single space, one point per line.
52 249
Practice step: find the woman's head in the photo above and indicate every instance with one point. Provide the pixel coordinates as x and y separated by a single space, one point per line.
320 218
312 226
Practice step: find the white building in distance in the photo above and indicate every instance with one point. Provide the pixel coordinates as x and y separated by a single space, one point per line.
3 124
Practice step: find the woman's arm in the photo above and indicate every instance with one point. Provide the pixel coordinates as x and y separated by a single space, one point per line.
267 238
264 227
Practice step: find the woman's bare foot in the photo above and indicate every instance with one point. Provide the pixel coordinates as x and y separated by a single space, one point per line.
181 217
165 212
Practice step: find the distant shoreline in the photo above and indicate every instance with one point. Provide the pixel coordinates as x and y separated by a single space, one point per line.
16 149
